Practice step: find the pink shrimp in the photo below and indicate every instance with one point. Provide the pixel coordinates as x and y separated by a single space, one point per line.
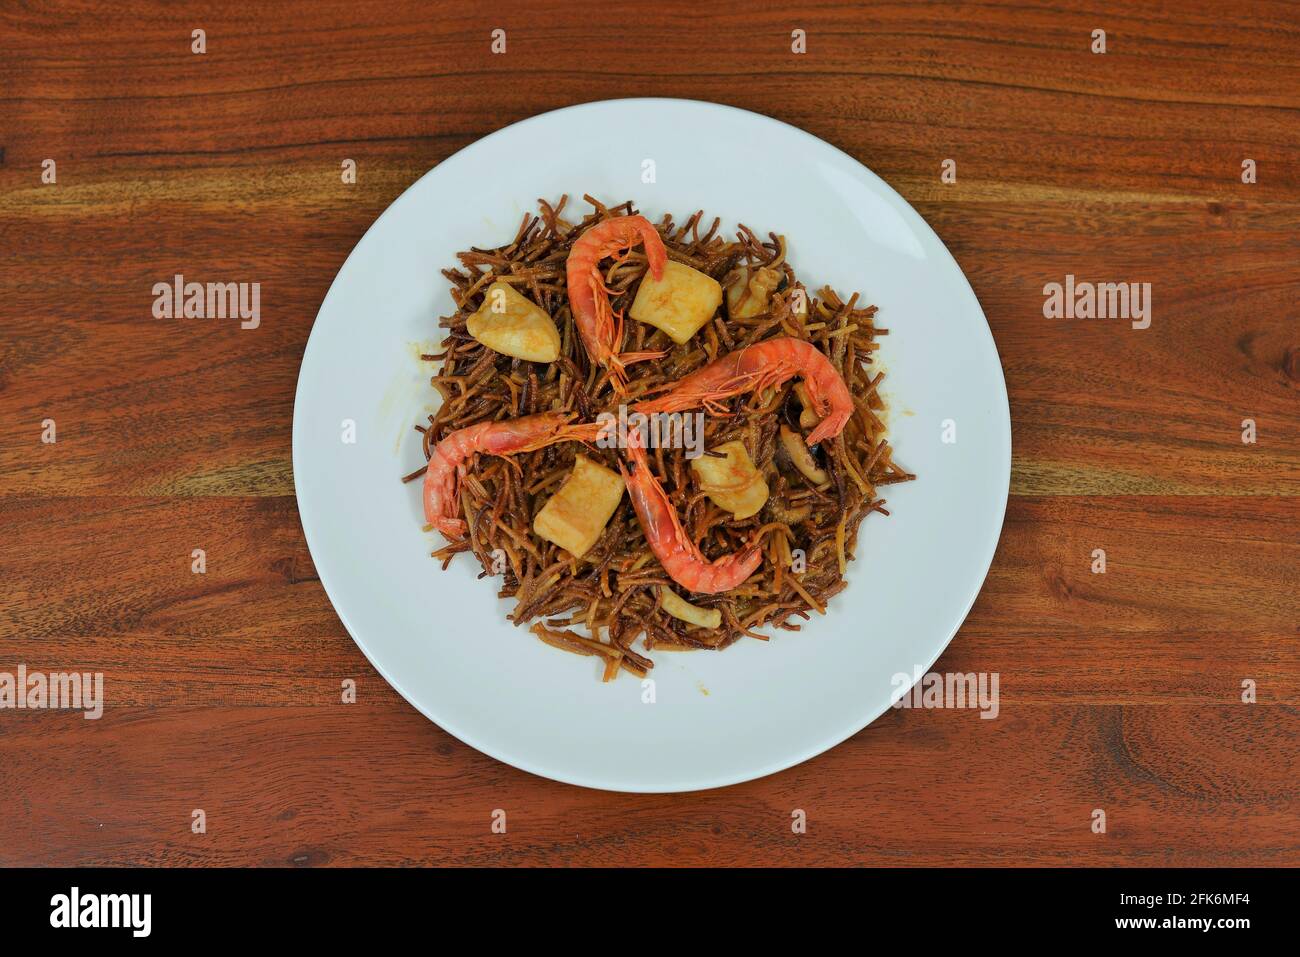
763 364
680 557
450 457
601 330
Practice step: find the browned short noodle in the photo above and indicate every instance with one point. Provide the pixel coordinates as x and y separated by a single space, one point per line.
614 589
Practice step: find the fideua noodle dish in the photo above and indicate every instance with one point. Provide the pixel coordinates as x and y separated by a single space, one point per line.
651 436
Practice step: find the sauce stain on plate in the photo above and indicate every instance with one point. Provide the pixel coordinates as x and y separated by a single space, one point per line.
407 388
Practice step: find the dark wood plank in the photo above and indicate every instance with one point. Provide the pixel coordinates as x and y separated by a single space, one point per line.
345 784
1198 595
204 407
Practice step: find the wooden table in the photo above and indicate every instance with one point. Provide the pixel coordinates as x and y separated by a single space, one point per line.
1120 691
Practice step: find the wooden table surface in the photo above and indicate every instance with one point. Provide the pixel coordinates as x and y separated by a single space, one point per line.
1120 691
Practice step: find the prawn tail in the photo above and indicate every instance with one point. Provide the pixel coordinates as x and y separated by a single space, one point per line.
655 253
829 427
725 574
740 566
452 528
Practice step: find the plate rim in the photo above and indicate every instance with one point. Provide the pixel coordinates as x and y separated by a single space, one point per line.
703 782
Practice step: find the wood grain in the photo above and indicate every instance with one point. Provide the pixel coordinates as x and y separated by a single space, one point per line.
340 784
1197 596
1119 691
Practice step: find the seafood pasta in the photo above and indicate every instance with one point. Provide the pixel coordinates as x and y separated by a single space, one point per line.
650 434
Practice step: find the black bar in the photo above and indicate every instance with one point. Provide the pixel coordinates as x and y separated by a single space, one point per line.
328 905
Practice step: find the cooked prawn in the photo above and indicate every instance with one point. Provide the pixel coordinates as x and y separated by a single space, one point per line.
600 328
680 557
448 461
761 365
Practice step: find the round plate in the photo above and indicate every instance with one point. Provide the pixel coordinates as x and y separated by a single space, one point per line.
442 638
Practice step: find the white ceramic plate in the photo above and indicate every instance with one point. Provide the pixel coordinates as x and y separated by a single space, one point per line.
442 639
